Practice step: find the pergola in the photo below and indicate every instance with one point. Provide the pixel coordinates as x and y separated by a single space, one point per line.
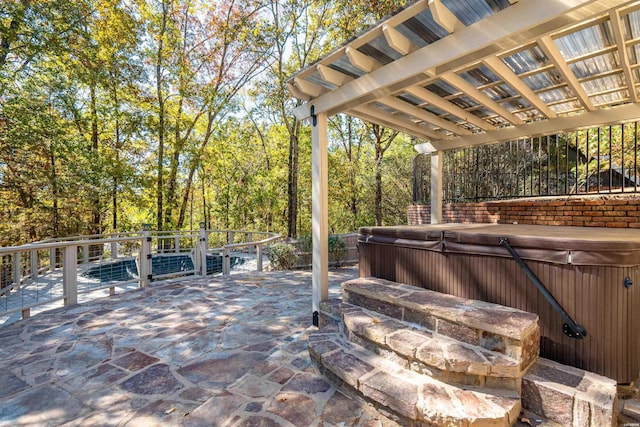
458 73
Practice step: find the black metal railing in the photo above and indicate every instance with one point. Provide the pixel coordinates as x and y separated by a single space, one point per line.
591 161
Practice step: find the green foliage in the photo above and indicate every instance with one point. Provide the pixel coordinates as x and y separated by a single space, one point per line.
81 83
337 251
282 256
305 243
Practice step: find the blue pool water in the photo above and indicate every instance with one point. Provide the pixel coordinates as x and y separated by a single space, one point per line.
127 269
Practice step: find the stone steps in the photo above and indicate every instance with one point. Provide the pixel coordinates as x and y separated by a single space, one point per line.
427 358
411 398
493 327
569 396
424 351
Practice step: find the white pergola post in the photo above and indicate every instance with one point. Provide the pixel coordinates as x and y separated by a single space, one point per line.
436 187
320 212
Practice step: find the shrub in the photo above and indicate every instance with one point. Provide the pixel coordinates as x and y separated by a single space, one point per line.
337 251
305 243
282 256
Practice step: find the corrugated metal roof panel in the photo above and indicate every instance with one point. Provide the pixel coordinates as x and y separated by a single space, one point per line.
344 66
543 80
424 25
528 115
603 84
587 40
376 54
516 104
435 110
480 76
555 95
610 98
526 60
315 78
380 43
634 54
470 11
596 65
464 101
631 25
442 89
422 29
410 99
500 92
566 107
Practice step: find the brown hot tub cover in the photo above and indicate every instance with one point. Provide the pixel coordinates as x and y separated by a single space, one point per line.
558 245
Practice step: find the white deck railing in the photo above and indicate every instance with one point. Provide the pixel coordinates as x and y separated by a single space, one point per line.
55 272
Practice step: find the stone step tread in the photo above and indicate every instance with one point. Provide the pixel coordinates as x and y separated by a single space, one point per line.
492 318
506 330
415 343
407 393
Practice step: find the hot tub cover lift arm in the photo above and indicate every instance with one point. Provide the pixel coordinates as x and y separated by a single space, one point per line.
571 328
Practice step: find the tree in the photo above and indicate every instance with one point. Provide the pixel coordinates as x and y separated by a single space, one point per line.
351 136
298 36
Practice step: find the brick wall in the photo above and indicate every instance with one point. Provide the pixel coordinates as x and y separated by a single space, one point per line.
419 214
616 211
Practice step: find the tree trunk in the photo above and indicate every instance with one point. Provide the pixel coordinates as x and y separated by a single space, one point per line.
292 187
117 147
171 200
54 194
195 163
382 143
378 198
96 203
160 171
11 35
205 218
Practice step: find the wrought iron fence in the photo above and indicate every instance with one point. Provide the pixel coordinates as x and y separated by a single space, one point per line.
591 161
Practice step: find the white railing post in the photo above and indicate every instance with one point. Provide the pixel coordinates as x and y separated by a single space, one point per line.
114 247
70 275
33 265
250 240
17 272
176 242
52 259
226 261
259 255
85 254
201 250
144 257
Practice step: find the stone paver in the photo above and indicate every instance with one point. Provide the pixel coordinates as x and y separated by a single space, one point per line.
223 351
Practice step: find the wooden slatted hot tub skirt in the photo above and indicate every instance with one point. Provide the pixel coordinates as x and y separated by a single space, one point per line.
588 270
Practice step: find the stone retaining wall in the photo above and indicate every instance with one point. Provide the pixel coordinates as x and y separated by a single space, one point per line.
615 211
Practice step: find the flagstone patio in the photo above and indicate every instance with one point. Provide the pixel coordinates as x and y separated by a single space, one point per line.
221 351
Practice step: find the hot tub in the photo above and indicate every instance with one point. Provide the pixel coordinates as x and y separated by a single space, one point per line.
593 273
